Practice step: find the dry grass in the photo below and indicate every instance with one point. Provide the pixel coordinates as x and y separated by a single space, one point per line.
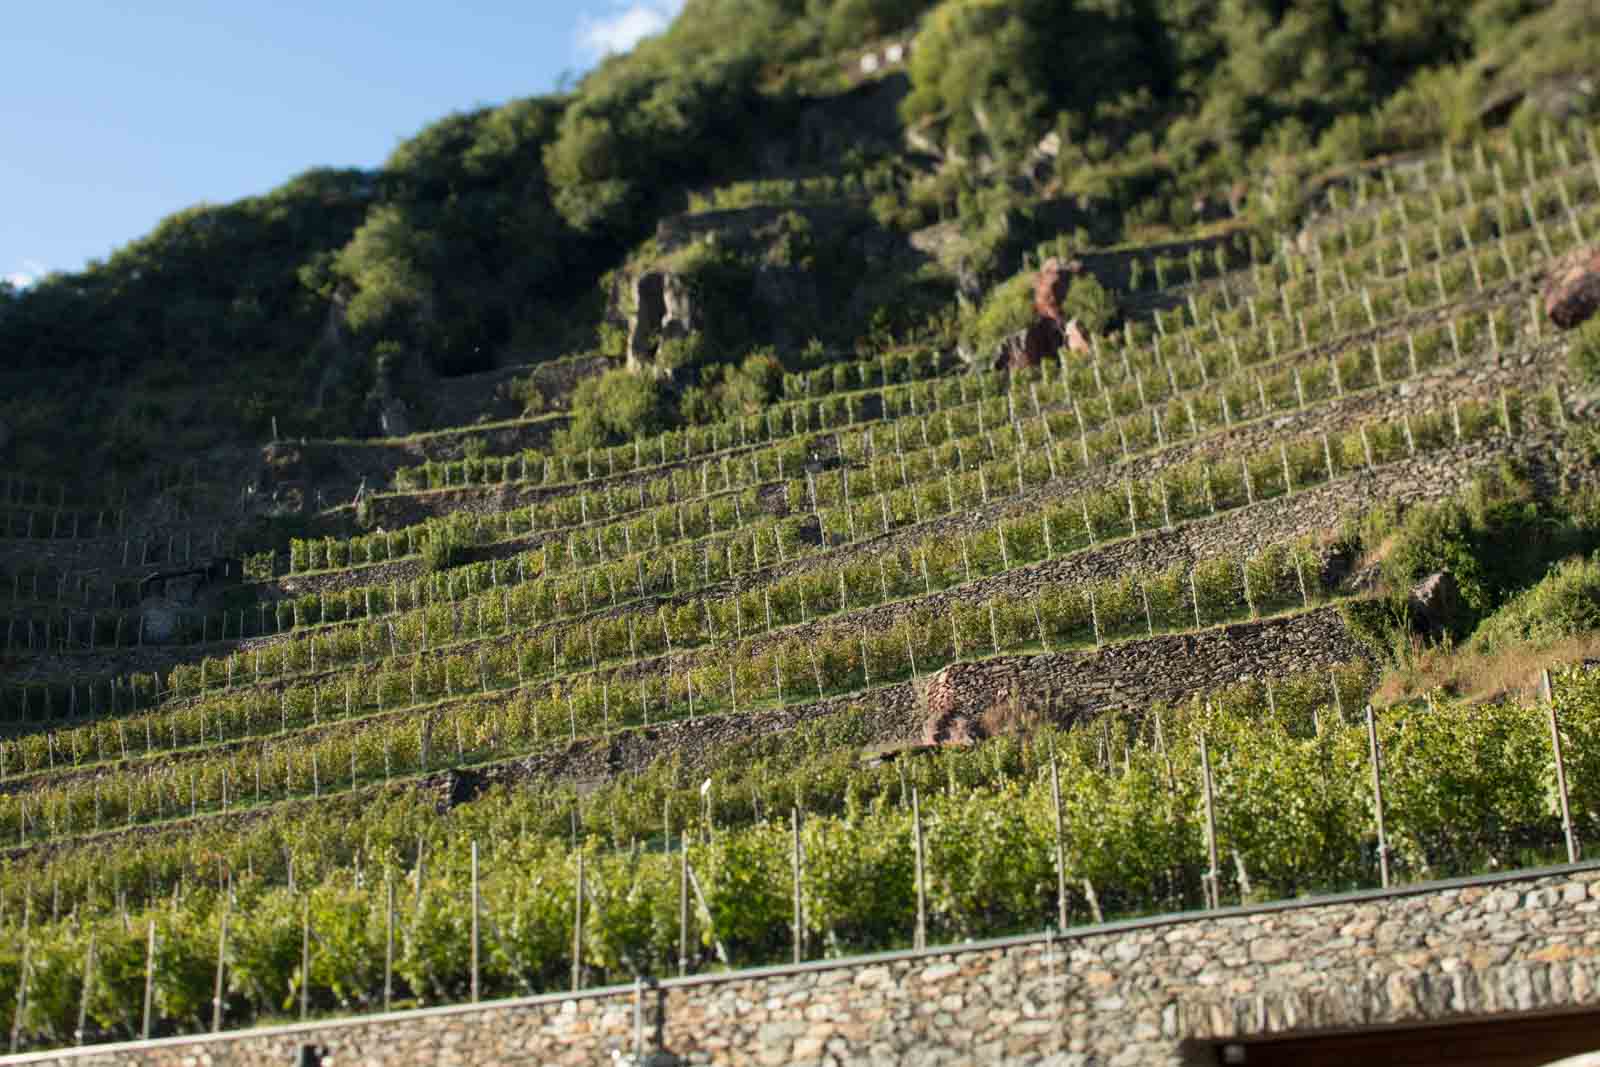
1010 714
1372 558
1507 673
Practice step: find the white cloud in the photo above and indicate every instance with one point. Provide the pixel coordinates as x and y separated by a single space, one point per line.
31 271
625 27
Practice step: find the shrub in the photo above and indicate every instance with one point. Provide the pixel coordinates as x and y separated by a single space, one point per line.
1090 303
1565 603
613 407
526 394
441 549
753 384
1007 309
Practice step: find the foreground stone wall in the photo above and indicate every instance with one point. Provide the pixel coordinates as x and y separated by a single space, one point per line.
1150 991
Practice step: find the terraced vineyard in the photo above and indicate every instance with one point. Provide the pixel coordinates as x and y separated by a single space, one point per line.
565 717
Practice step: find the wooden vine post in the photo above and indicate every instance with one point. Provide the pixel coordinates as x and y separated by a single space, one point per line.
799 929
1377 796
1547 697
683 905
577 930
921 938
1061 859
222 963
305 958
1213 890
149 979
476 909
85 991
388 939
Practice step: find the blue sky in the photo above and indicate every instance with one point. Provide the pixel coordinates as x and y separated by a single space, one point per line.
118 114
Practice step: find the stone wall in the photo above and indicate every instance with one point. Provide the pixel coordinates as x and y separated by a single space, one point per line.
1153 991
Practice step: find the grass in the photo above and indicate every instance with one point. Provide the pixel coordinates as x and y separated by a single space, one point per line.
1478 675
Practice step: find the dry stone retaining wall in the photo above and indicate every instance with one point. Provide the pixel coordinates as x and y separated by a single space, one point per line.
1155 991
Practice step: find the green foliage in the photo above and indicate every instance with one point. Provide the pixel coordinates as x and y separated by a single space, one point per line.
989 71
643 123
794 244
1565 603
444 261
613 407
729 391
442 547
526 394
1496 541
1467 789
1089 302
850 23
1006 309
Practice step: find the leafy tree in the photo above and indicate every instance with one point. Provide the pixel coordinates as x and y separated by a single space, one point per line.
989 70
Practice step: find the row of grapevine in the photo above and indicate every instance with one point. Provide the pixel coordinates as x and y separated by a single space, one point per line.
1545 202
1243 398
558 681
834 408
813 764
1464 789
1195 491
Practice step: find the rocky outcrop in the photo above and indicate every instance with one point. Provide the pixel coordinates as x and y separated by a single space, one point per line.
1050 289
1030 347
953 699
663 310
1572 293
1051 330
1434 602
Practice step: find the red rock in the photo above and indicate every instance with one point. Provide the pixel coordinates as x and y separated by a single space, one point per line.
1030 347
952 699
1049 289
1572 293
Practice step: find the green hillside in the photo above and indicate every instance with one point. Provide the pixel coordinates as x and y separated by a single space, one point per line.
495 237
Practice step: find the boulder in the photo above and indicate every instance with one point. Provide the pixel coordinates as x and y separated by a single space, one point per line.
663 310
1051 330
1049 289
1572 291
1434 602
